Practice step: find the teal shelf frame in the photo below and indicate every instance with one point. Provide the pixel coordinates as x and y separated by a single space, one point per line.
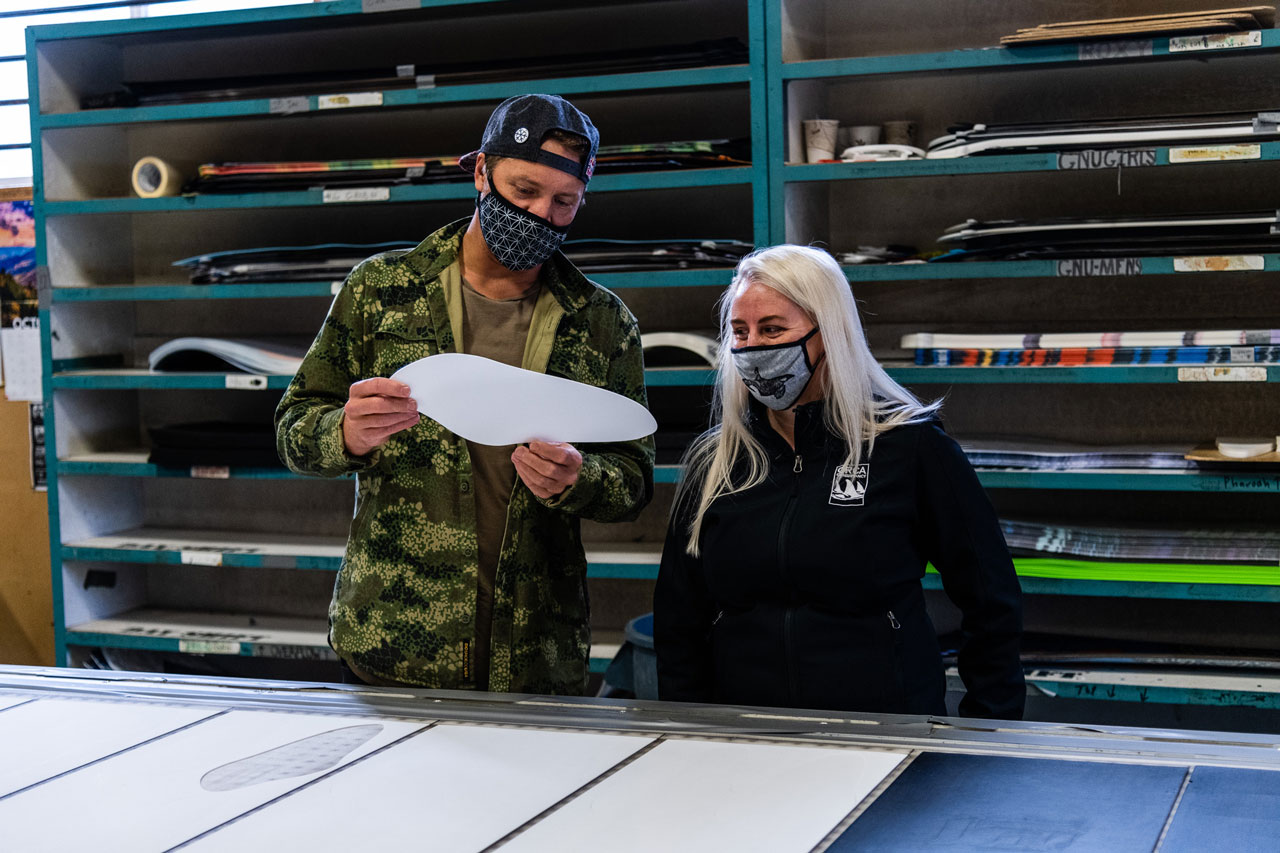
952 271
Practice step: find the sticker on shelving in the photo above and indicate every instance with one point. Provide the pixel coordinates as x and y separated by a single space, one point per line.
1241 355
1080 267
425 81
1204 153
292 652
1091 50
208 647
357 194
289 106
348 100
415 171
200 558
1221 41
388 5
406 70
246 381
335 288
1222 374
210 472
1095 159
1219 263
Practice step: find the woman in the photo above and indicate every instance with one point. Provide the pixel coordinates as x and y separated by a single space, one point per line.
801 530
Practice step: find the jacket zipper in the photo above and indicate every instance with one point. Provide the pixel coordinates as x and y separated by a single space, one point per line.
796 467
893 621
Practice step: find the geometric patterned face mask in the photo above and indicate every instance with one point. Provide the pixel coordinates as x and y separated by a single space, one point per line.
518 239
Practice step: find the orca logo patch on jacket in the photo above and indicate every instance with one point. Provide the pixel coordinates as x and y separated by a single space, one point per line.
849 485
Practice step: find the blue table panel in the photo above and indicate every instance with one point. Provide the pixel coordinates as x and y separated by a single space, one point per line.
1227 808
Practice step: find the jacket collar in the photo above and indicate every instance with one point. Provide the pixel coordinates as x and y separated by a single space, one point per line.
810 432
559 276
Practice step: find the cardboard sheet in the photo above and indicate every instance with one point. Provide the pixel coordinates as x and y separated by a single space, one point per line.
946 801
460 787
493 403
1226 808
702 795
46 737
171 790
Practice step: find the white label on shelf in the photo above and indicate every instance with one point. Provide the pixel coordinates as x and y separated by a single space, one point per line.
208 647
415 171
1091 50
287 106
1242 355
1221 41
1222 374
1219 263
350 99
388 5
201 558
425 81
1099 266
335 288
246 381
357 194
405 70
288 652
210 472
1215 152
1094 159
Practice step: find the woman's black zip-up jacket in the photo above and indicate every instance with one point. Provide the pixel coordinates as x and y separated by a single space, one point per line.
807 590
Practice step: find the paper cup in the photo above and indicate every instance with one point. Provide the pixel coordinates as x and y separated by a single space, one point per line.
864 134
900 133
820 138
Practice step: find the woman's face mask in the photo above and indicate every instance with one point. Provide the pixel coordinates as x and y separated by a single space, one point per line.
518 239
775 374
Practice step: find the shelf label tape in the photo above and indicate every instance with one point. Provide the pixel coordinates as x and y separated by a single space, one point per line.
405 70
1204 153
425 81
388 5
1094 159
1221 41
1222 374
210 472
1219 263
1092 50
200 558
208 647
292 652
289 106
357 194
246 381
1079 267
349 100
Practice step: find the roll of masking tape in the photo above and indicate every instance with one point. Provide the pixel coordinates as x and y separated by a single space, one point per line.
1243 448
153 177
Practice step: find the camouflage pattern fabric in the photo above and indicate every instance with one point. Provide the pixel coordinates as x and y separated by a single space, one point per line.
404 606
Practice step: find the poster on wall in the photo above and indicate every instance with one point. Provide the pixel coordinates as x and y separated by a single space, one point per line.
19 307
39 473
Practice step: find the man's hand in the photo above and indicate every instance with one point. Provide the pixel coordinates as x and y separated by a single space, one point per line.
547 467
376 409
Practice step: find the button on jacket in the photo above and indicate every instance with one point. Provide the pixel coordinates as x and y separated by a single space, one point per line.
807 590
404 606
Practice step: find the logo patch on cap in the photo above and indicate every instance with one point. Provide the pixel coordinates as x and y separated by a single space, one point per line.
522 134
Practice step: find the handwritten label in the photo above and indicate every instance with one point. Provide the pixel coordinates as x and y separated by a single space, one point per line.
1219 263
288 106
357 194
1215 152
1222 374
388 5
1099 266
201 558
208 647
1073 160
405 70
425 81
246 381
1093 50
210 472
276 650
351 99
1221 41
1256 483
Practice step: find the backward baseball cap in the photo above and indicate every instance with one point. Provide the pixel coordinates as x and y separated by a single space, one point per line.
519 126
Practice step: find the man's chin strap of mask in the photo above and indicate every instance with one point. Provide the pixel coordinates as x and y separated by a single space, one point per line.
518 239
776 374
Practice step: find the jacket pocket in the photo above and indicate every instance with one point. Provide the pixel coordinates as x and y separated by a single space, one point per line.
398 340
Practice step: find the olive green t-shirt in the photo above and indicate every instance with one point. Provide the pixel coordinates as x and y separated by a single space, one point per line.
496 329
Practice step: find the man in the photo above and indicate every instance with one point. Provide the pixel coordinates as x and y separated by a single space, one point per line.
464 567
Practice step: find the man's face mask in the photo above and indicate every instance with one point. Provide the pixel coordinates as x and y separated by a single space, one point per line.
518 239
776 374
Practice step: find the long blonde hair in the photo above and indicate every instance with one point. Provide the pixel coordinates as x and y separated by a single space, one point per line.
862 401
